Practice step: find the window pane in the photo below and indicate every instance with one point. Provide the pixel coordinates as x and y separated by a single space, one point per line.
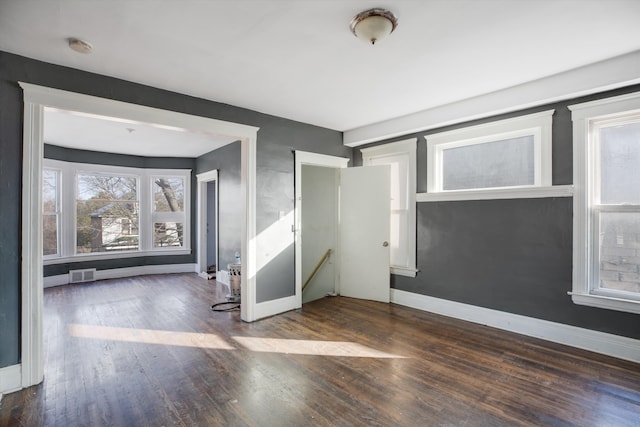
49 190
620 164
506 163
49 212
619 251
166 234
107 213
399 174
399 253
168 194
49 234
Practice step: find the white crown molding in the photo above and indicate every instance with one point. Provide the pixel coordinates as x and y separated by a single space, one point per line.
593 78
586 339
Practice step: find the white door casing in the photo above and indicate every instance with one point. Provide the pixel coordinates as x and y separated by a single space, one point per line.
201 234
313 159
364 233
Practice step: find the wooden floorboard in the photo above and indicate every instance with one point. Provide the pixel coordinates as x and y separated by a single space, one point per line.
148 351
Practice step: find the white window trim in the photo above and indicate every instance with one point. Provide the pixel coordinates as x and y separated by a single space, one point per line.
409 147
182 217
537 124
583 162
58 213
67 231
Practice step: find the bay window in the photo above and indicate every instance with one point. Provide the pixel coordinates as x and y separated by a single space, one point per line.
113 211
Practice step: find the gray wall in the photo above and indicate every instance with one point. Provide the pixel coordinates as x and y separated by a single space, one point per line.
275 191
509 255
276 140
227 161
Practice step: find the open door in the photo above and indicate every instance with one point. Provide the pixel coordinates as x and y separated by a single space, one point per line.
364 233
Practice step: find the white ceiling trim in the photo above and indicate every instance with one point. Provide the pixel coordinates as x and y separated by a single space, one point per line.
617 72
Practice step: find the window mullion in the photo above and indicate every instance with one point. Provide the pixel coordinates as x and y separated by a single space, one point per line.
145 227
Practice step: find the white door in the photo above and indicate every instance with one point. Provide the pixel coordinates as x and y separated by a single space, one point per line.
364 233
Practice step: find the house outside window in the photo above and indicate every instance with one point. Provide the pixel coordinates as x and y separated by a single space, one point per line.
401 158
105 205
607 203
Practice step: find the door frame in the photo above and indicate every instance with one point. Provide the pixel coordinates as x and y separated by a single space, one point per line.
310 159
36 98
203 215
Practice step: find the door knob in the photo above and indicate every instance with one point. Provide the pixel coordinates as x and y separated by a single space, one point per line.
385 244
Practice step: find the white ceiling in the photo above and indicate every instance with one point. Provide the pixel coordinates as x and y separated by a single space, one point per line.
114 135
298 59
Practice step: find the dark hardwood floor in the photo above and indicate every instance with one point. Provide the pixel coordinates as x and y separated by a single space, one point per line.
148 351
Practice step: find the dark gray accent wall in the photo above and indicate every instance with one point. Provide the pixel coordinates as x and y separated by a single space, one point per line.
276 138
227 161
10 200
509 255
55 152
275 191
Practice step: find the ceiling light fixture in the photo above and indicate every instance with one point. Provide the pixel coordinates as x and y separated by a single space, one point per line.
373 25
79 45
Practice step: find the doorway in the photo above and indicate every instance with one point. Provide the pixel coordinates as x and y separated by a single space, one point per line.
207 234
36 98
307 167
319 226
361 200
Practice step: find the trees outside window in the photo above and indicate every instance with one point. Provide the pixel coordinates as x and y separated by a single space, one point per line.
50 211
107 211
168 211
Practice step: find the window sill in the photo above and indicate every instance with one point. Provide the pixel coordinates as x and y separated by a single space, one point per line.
500 193
114 255
404 271
610 303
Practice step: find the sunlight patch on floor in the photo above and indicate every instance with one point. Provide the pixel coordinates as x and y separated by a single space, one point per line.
212 341
149 336
312 347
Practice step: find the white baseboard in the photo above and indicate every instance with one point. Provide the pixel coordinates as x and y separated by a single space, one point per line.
10 379
116 273
586 339
276 306
222 276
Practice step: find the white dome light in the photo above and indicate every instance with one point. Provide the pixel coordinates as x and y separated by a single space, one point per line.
373 25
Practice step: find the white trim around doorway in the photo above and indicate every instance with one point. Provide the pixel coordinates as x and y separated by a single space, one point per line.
312 159
36 98
201 230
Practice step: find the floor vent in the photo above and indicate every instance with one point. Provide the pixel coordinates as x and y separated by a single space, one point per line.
79 276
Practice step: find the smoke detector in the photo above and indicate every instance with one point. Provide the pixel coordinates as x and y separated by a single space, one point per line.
79 45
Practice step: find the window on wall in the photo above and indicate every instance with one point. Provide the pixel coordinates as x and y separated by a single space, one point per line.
114 211
168 211
607 203
107 210
507 157
50 212
401 157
